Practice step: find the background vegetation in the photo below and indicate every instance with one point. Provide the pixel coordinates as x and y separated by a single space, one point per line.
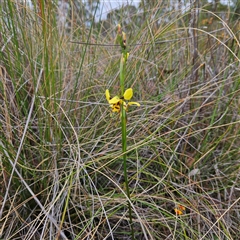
60 148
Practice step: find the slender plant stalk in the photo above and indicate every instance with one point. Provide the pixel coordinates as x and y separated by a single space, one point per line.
124 126
66 204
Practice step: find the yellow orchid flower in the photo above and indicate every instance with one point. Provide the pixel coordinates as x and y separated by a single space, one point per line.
115 102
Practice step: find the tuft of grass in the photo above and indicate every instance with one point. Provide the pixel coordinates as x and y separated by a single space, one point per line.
61 167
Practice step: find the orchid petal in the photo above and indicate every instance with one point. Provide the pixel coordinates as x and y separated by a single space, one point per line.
134 103
114 100
128 94
107 93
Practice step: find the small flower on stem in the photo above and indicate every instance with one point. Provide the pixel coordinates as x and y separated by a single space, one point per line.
116 102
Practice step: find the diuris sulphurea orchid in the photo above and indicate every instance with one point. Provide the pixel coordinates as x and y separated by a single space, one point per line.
116 102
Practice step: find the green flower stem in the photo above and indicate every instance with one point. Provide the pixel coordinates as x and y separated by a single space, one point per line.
124 134
122 73
124 149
